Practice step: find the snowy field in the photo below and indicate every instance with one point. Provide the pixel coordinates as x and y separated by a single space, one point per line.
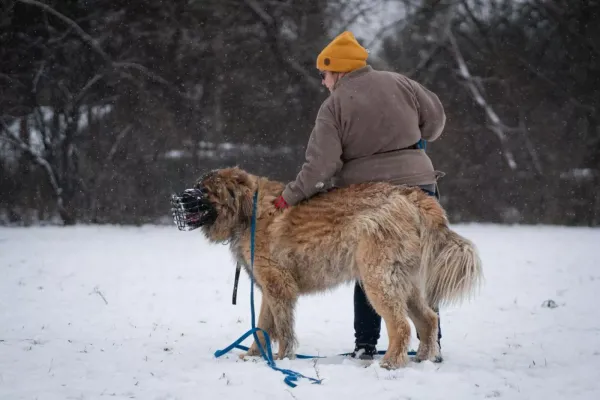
124 313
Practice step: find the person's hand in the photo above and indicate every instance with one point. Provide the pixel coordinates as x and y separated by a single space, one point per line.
280 203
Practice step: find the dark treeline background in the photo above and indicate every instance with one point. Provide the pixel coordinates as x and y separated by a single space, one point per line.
107 107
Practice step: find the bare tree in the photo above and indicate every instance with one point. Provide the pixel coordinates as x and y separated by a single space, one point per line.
106 110
60 99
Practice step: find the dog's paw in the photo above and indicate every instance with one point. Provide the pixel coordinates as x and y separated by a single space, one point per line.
287 354
252 352
425 353
391 363
434 359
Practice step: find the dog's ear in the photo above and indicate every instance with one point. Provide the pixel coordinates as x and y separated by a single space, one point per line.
246 203
242 179
205 177
243 184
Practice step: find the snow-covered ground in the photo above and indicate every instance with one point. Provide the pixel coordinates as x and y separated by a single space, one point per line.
124 312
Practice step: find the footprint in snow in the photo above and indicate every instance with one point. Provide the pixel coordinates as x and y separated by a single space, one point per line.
549 304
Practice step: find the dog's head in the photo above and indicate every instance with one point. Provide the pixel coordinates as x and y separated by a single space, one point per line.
229 192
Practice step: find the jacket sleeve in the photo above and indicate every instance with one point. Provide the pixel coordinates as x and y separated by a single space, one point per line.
323 158
432 117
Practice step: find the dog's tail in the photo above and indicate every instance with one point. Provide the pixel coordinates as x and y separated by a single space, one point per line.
452 266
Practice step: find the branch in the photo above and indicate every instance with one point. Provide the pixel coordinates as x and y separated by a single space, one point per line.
426 11
522 128
102 174
39 120
495 125
87 38
529 144
361 12
38 75
9 79
96 47
38 159
87 86
99 293
483 31
383 30
552 11
256 9
61 37
425 61
113 148
271 31
555 85
143 70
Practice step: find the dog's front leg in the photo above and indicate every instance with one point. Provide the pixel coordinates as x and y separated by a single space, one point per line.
283 315
266 323
280 291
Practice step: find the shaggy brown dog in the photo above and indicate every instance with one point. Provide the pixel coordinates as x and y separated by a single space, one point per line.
394 240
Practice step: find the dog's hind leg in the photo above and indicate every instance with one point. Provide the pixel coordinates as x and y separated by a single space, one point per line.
398 329
266 323
387 286
426 322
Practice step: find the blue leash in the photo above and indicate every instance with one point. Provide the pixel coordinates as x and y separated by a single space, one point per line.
267 354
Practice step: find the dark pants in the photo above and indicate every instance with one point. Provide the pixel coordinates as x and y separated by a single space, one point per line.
367 323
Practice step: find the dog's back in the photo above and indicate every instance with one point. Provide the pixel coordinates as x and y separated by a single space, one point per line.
322 234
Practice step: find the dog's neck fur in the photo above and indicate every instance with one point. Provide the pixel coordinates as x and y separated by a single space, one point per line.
265 211
235 246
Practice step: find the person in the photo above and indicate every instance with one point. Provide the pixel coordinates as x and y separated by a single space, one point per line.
370 128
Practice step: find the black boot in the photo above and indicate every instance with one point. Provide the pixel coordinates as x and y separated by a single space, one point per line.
367 326
364 351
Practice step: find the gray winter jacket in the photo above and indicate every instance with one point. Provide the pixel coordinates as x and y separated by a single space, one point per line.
361 132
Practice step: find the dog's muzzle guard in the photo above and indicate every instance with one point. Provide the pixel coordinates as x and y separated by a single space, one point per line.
191 209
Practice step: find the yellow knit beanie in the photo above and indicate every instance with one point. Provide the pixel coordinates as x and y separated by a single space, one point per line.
343 54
